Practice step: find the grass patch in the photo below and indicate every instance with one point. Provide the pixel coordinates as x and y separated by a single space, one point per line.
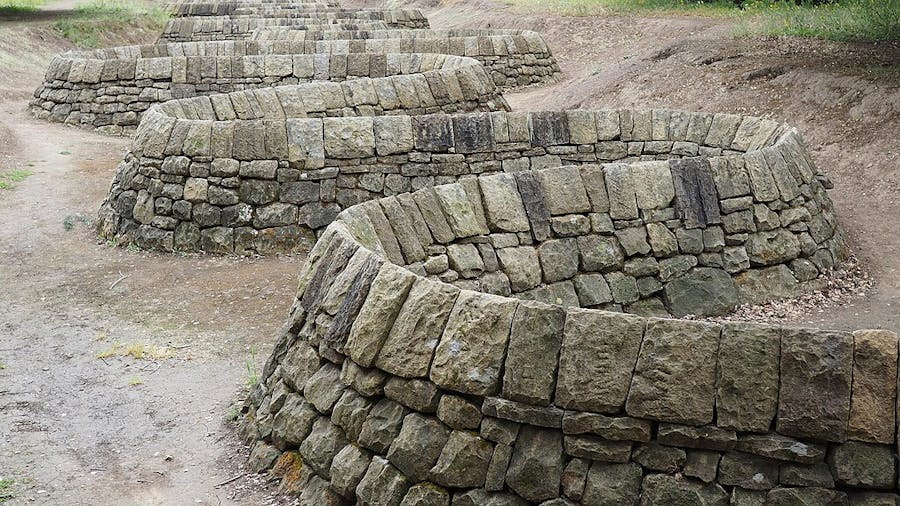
12 7
846 20
71 220
135 381
99 18
250 364
842 20
9 179
5 489
138 351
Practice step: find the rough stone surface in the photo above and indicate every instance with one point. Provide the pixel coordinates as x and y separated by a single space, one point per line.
597 358
686 393
816 371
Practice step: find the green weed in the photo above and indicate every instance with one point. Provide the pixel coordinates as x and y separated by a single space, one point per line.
842 20
71 220
6 489
250 364
98 18
8 179
12 7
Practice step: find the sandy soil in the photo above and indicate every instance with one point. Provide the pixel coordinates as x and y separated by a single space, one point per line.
78 429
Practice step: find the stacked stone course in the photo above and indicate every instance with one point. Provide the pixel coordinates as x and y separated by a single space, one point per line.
700 211
394 384
197 28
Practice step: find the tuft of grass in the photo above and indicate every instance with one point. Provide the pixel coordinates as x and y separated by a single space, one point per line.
135 381
8 179
5 489
71 220
98 18
138 351
841 20
845 20
250 364
13 7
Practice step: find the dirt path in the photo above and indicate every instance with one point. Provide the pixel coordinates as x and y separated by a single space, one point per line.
78 429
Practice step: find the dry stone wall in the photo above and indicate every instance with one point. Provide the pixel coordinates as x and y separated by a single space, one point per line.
109 89
230 7
197 28
513 57
240 28
460 334
393 385
259 169
667 199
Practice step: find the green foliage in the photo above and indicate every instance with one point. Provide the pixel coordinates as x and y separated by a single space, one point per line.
863 20
71 220
12 7
8 179
5 489
857 20
250 364
101 17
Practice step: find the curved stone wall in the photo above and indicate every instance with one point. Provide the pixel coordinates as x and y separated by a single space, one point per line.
675 190
197 28
259 170
392 386
239 28
109 89
513 57
230 7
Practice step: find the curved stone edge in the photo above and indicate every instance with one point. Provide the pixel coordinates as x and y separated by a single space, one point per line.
225 28
269 128
433 149
192 29
521 401
108 89
513 57
183 9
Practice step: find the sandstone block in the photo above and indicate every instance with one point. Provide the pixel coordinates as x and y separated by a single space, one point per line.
747 385
687 351
873 403
814 396
537 463
470 353
597 358
463 462
418 446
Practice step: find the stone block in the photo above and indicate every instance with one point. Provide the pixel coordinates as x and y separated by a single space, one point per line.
531 360
747 385
864 465
874 397
382 485
564 190
661 489
612 485
814 395
702 291
470 354
418 446
409 345
537 464
596 361
463 462
748 471
687 352
503 205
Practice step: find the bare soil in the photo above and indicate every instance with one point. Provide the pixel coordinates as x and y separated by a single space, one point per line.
79 429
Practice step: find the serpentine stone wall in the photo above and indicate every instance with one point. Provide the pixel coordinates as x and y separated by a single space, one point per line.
669 198
109 89
513 57
230 7
259 170
240 28
192 29
393 383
